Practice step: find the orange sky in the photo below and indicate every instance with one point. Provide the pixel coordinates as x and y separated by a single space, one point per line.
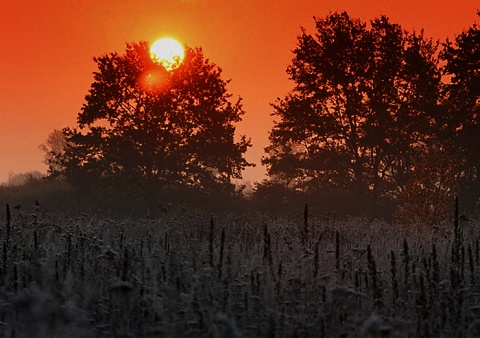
47 48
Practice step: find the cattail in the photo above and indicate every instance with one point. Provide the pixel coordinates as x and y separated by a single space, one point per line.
35 240
15 277
458 242
267 249
229 270
456 217
315 260
421 300
210 243
222 248
436 267
471 265
406 264
245 301
279 276
69 248
57 275
253 283
393 270
477 251
427 276
82 270
149 241
166 244
9 219
337 250
323 293
265 242
305 224
125 265
122 237
454 275
372 266
5 256
23 279
414 275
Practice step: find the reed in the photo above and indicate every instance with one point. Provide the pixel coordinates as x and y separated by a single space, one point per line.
267 246
210 242
222 250
305 225
393 271
337 250
8 222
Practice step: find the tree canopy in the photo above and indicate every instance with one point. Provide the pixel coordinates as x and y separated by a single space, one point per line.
462 103
145 127
364 104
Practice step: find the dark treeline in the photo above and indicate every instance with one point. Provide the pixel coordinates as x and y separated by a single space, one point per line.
380 121
380 117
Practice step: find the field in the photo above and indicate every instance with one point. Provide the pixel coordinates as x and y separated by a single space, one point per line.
189 274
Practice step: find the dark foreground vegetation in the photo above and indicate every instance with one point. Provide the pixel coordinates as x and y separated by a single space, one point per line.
188 273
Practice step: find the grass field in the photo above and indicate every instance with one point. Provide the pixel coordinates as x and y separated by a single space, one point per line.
188 274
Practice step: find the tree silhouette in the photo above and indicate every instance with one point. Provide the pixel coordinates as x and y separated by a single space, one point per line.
54 145
428 195
363 104
462 101
145 127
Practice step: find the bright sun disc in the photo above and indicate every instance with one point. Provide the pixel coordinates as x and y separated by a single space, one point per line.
168 52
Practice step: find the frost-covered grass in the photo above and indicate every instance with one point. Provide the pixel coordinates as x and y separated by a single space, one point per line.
237 275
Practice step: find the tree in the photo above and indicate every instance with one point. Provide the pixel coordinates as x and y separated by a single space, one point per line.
428 195
54 145
363 104
145 127
15 180
462 102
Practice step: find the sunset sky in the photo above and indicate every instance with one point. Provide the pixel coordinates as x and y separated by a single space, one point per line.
47 48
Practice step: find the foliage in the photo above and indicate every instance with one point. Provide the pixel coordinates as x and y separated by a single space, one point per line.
54 146
427 197
462 102
364 102
144 127
23 178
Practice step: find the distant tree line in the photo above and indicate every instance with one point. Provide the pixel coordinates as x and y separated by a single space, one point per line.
15 180
376 114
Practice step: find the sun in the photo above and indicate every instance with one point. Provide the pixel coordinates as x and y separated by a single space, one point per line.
168 52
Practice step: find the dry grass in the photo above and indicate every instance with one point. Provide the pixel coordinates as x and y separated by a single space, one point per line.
232 275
